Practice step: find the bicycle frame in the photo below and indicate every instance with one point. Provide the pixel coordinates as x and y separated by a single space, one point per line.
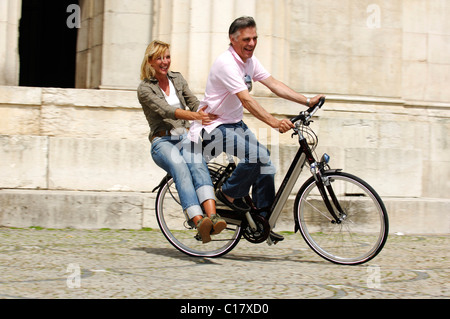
304 154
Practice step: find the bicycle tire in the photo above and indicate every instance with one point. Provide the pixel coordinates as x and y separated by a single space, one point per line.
182 234
359 237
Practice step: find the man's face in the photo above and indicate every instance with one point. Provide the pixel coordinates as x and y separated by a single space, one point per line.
245 43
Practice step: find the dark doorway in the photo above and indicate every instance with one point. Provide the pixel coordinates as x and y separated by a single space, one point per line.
47 46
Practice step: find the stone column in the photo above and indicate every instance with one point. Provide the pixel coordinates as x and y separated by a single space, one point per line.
273 18
112 42
198 32
10 12
347 47
90 44
426 51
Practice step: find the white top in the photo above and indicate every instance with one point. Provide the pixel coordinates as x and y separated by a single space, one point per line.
173 100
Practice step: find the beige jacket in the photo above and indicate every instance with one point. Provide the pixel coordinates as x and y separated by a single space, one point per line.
160 115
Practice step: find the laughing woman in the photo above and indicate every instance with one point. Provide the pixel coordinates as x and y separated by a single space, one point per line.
169 105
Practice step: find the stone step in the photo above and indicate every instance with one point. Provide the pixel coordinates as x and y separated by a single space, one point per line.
135 210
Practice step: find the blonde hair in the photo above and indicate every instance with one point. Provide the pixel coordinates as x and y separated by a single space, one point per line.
155 49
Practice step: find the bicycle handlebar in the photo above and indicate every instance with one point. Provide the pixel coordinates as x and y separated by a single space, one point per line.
306 115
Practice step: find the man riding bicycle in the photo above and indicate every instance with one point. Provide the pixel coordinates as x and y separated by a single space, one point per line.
227 93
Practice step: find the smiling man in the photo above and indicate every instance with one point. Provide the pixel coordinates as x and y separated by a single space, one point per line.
227 93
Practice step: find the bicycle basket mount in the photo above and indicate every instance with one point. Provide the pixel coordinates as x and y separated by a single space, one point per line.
216 171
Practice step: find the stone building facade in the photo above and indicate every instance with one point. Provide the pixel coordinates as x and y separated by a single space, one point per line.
74 152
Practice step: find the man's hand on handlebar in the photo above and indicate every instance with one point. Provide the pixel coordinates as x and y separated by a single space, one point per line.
315 99
305 116
285 125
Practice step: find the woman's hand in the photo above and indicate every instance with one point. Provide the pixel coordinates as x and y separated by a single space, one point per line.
206 118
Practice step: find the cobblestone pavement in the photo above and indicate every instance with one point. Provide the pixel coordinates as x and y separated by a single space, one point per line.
44 263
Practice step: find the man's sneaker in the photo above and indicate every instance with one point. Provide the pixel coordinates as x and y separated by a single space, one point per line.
238 204
204 227
219 224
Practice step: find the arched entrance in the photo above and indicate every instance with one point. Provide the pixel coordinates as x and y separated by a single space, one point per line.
47 46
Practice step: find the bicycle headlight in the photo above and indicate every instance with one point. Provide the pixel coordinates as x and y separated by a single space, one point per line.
325 158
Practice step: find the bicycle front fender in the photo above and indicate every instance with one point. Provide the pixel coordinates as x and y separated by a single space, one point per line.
302 189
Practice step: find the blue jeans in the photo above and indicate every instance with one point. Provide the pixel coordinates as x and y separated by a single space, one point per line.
254 169
178 157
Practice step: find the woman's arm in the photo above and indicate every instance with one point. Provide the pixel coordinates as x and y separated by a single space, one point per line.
205 118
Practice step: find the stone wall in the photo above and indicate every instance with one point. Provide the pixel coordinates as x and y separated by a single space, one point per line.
384 66
92 145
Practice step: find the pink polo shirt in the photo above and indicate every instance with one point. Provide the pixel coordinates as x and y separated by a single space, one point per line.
225 80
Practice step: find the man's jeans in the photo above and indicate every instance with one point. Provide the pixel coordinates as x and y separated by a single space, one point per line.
177 156
254 169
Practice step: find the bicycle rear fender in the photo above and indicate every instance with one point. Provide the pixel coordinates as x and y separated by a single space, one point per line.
163 181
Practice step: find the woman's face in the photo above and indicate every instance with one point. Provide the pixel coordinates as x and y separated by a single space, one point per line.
161 64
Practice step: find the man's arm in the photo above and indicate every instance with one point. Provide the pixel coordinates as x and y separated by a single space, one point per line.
261 114
282 90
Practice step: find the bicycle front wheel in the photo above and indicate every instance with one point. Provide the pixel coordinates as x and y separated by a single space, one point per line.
363 229
182 234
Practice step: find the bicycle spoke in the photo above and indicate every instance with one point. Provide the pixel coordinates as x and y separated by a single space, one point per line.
182 234
319 211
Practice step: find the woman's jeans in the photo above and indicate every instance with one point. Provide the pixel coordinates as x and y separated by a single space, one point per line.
254 169
178 157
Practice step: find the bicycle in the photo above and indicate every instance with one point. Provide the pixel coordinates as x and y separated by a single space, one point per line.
340 216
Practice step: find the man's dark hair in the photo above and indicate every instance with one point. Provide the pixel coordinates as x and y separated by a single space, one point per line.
239 24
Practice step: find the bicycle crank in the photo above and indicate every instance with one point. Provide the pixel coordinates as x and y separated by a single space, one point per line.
260 233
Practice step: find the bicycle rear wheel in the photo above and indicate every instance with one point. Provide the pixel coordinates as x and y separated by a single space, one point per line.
182 234
363 229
